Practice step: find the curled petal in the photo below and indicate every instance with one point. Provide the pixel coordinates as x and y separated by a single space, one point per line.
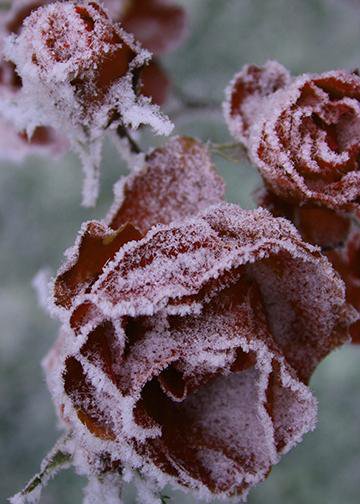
176 181
96 245
246 92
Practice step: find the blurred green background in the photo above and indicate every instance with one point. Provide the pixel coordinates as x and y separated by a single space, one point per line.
40 214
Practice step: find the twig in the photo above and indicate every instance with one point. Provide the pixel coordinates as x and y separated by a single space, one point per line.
123 133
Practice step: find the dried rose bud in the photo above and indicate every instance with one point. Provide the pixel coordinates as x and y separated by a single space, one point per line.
78 71
186 346
16 145
305 139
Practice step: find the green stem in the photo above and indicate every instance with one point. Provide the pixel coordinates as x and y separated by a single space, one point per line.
57 459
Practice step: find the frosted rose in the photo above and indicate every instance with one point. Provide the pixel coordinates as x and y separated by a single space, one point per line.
186 346
305 139
79 70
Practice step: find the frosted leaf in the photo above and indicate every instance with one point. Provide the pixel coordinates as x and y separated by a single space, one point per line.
77 69
184 356
306 141
246 92
175 181
104 489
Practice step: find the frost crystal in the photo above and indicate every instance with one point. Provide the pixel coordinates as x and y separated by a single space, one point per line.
304 136
78 70
186 346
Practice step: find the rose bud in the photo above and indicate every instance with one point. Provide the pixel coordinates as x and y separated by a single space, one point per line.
305 140
78 70
190 328
14 145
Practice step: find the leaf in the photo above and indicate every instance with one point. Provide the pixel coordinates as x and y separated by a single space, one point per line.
234 152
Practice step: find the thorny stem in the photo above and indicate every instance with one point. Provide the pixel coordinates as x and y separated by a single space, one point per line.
123 133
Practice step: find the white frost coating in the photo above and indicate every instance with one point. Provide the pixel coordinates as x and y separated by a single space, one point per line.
104 489
67 83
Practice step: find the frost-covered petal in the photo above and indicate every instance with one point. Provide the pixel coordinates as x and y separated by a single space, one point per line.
246 92
96 245
176 181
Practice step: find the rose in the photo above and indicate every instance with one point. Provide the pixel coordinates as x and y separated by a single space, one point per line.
185 346
79 73
304 138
